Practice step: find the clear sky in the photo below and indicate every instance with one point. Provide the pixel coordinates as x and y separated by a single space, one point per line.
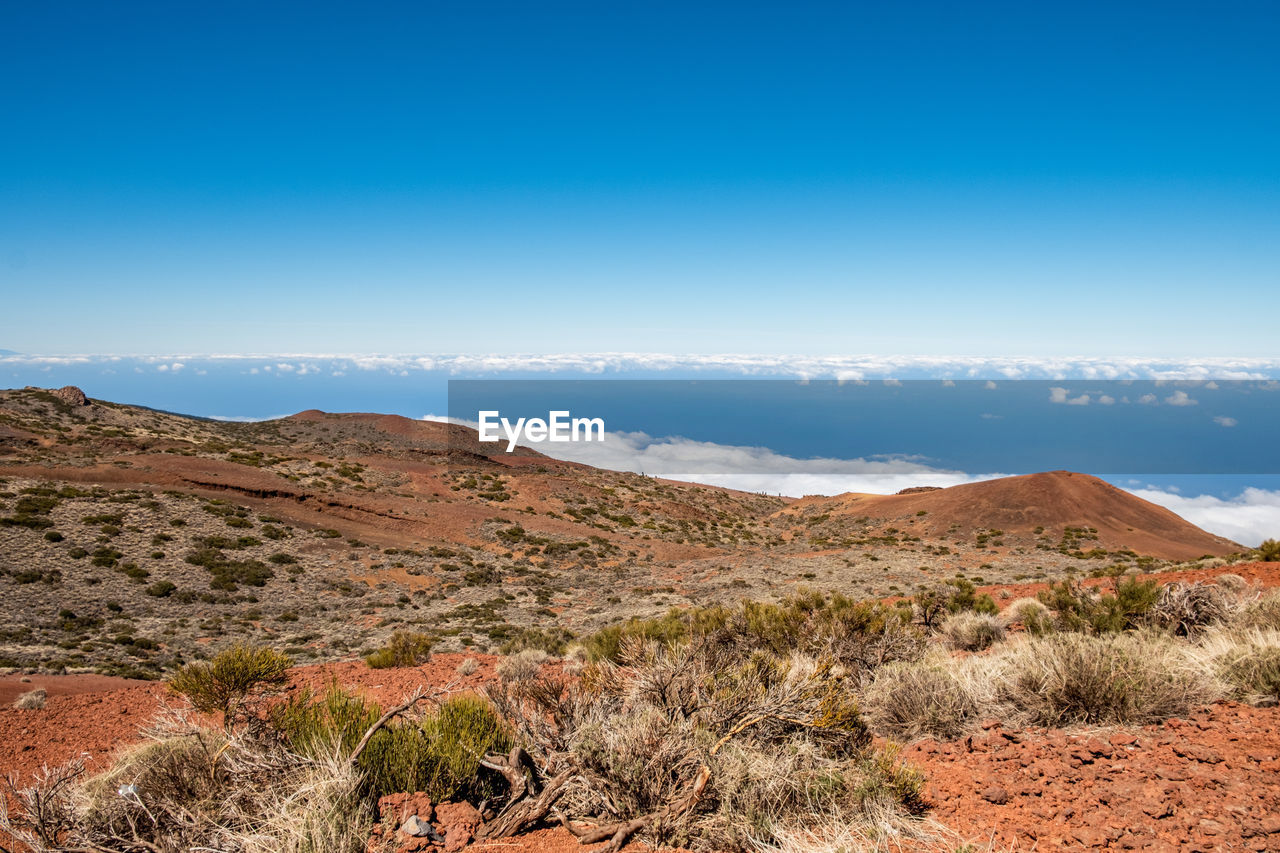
1016 178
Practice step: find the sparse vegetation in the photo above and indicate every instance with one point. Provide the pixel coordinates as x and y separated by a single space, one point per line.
404 648
230 683
32 700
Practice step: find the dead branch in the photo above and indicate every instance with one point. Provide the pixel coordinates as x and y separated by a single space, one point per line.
620 833
519 814
418 696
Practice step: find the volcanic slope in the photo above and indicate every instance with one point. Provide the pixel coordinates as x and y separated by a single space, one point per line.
132 539
1055 509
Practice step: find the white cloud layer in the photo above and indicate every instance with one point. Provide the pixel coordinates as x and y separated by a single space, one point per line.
752 469
1249 518
850 367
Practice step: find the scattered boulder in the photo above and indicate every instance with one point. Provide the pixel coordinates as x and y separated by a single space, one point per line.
71 395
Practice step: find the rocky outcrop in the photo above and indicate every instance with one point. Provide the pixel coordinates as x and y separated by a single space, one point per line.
71 395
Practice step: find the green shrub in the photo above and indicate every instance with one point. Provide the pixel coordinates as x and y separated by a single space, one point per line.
404 648
1082 609
1269 551
440 754
549 640
858 634
607 643
162 589
229 683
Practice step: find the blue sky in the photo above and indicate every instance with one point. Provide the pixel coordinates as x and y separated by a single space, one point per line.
1032 179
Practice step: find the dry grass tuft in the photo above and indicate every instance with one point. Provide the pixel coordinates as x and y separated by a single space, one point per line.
1263 612
1121 679
1061 679
32 700
1027 612
1247 661
523 665
934 697
971 632
189 787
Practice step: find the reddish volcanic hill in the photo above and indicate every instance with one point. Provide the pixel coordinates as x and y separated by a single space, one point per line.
1054 501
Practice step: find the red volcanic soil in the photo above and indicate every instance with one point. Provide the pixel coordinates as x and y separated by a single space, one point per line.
91 716
13 686
1052 500
1211 782
1259 575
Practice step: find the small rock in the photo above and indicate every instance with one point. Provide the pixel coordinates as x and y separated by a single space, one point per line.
1211 827
1088 836
1172 774
995 794
419 828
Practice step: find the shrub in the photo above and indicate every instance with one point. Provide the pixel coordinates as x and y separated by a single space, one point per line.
1262 612
439 754
1121 679
607 643
1269 551
468 666
857 634
762 740
1248 662
227 684
404 648
32 700
1079 608
162 589
1031 613
1187 609
522 666
550 640
972 632
924 698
